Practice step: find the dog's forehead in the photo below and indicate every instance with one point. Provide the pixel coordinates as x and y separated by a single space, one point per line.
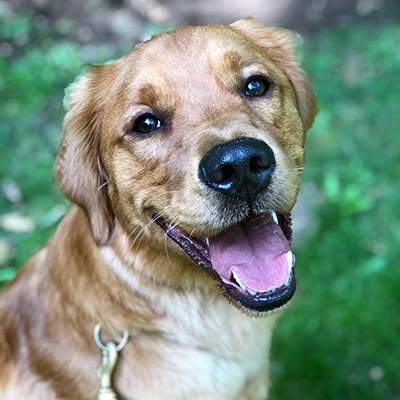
191 54
192 65
192 44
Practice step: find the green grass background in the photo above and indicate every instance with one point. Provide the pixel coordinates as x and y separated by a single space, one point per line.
340 338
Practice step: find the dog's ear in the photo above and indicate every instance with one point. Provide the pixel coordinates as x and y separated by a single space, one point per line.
279 44
78 170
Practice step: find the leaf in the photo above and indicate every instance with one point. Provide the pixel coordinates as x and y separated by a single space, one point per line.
17 223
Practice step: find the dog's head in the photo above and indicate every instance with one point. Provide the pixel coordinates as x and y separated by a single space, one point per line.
199 134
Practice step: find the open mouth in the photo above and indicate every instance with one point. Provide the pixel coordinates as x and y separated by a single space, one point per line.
252 260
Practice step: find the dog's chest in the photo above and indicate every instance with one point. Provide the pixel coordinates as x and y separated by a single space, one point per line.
203 351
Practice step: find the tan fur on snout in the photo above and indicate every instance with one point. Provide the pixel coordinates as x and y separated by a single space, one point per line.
109 263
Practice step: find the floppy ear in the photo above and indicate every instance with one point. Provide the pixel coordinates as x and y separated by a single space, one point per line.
279 44
78 170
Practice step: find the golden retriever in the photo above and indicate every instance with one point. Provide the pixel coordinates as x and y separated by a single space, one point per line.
183 159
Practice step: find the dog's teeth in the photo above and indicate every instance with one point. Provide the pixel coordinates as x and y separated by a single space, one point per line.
289 256
207 241
239 282
252 292
274 216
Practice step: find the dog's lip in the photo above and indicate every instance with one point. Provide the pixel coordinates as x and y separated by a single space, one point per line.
268 301
198 250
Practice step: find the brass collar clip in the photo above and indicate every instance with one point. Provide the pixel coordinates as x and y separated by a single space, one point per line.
110 352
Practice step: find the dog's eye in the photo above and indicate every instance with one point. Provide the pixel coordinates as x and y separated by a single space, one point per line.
146 124
256 87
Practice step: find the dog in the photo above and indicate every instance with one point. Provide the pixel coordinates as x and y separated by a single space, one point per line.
183 161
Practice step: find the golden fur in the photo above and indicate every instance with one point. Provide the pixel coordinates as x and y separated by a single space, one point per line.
107 264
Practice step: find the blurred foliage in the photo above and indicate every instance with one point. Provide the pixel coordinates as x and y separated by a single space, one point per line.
339 339
31 88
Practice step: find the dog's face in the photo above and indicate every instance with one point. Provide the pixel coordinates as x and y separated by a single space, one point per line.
199 134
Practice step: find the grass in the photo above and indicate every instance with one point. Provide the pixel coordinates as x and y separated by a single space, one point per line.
339 339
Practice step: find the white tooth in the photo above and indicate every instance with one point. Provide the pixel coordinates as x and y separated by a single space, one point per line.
207 241
237 279
251 292
289 256
274 216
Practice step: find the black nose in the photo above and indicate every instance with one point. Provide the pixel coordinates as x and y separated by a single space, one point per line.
239 168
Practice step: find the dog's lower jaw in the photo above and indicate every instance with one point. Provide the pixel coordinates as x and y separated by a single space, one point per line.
171 267
241 341
256 250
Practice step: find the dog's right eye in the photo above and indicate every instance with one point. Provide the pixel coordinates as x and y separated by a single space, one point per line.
256 87
146 124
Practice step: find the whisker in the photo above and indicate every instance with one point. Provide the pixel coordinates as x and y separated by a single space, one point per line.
191 233
295 154
152 220
299 169
173 225
166 249
101 186
141 232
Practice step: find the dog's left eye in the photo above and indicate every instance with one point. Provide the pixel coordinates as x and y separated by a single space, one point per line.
256 87
146 124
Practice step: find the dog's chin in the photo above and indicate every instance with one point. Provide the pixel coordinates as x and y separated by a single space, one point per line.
252 260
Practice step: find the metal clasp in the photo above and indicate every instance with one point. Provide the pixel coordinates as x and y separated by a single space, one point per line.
110 355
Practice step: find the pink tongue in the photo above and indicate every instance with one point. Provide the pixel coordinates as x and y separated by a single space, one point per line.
257 250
